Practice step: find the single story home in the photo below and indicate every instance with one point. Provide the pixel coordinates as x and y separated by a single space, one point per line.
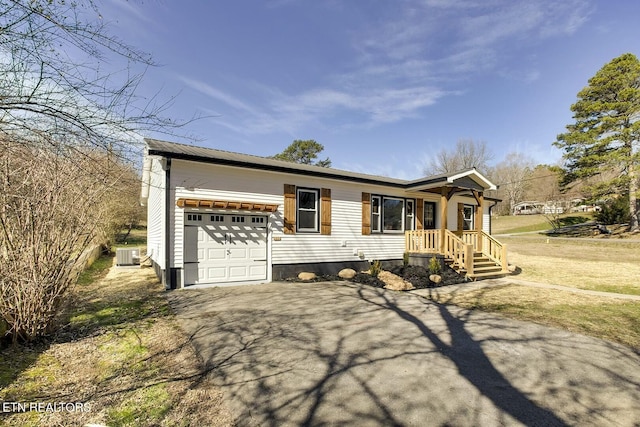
217 217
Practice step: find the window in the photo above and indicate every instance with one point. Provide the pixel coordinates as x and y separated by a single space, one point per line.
194 217
375 214
467 215
307 209
410 216
429 216
392 212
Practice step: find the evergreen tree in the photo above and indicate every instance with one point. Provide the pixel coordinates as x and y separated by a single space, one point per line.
603 141
304 152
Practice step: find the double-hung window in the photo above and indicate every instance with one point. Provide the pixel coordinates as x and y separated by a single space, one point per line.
307 210
409 218
376 210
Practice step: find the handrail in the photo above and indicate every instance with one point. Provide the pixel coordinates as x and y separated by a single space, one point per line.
494 250
460 249
460 252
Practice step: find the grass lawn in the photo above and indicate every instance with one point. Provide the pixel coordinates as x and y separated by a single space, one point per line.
121 354
601 265
608 318
531 223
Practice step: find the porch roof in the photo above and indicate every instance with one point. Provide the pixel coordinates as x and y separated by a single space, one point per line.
468 179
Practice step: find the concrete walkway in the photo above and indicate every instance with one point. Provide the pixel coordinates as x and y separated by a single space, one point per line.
338 353
510 280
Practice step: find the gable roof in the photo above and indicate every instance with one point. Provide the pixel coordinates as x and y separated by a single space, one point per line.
209 155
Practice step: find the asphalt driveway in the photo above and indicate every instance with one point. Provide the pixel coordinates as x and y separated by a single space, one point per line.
344 354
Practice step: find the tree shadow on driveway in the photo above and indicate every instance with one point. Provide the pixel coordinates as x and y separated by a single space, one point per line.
344 354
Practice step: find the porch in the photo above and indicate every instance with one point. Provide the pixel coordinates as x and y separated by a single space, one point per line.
473 253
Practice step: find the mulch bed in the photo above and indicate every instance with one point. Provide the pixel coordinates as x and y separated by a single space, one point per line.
417 275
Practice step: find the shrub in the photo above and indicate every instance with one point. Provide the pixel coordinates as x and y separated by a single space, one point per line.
376 268
614 212
434 265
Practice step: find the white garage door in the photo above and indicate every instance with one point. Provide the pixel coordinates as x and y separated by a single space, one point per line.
224 248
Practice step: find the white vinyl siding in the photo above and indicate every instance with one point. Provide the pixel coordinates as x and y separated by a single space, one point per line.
197 180
193 180
156 213
486 223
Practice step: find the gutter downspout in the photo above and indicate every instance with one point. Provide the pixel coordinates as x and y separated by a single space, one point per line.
169 283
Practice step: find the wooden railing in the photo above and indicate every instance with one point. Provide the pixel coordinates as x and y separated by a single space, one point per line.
459 248
460 252
494 250
422 241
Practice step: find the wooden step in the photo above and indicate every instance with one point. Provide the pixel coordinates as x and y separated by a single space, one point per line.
483 267
487 269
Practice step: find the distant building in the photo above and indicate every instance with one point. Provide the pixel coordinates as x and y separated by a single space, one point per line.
528 208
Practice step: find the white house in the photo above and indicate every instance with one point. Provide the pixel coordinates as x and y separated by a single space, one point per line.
216 217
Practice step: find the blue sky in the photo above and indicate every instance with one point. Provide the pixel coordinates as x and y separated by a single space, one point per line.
383 85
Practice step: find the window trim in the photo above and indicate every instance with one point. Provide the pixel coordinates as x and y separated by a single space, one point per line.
472 224
316 228
376 218
379 222
412 216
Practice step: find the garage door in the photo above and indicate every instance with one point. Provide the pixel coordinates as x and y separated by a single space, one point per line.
224 248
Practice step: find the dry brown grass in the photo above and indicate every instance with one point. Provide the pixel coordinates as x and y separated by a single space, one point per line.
122 354
612 319
603 265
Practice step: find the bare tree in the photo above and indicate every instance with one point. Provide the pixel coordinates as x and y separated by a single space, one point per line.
511 177
545 188
70 115
120 207
55 78
467 154
48 216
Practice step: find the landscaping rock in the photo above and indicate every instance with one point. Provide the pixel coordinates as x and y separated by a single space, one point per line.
435 278
306 276
347 273
394 282
512 268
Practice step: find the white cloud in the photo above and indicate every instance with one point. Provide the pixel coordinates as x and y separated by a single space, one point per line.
402 64
461 37
212 92
132 10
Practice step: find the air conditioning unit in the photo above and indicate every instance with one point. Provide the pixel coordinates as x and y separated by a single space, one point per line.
127 256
